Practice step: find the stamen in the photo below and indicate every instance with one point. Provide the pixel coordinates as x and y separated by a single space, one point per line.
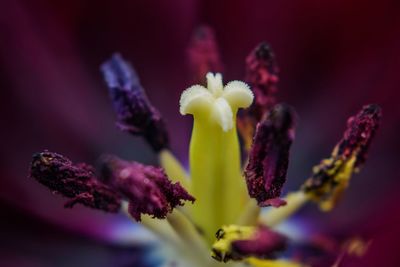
265 172
273 217
174 169
135 114
147 188
262 76
241 242
75 181
203 55
187 231
254 262
331 177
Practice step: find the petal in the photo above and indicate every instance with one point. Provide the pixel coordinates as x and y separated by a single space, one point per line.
195 99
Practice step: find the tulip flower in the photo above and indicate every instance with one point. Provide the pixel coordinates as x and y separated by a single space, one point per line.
213 213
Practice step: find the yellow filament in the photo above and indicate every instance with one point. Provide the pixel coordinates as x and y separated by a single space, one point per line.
273 263
174 169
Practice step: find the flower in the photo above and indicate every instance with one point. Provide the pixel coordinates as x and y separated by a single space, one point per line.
216 179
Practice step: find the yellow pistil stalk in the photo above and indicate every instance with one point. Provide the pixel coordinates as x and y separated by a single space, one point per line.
215 171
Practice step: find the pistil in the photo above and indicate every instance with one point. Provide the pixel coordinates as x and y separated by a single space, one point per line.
214 152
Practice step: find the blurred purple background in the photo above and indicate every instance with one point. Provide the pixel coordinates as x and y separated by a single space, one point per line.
334 57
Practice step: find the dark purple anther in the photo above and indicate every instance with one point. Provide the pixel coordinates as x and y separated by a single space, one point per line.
360 131
203 54
264 243
147 188
135 114
75 181
262 76
332 175
265 172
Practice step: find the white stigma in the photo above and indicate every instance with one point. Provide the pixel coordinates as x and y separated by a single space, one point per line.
216 101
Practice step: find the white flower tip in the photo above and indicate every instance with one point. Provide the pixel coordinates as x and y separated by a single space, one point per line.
238 94
222 114
194 99
216 101
214 83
